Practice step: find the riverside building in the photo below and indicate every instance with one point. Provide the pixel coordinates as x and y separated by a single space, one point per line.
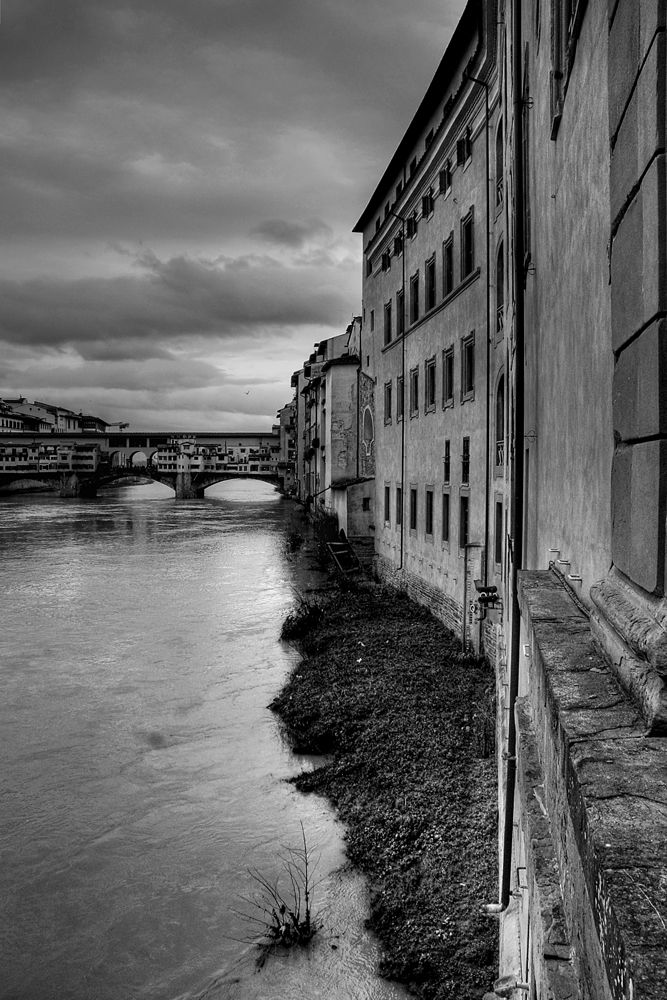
433 338
513 335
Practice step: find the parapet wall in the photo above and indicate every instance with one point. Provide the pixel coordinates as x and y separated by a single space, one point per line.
591 811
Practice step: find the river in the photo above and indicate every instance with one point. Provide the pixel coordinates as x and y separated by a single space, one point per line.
141 774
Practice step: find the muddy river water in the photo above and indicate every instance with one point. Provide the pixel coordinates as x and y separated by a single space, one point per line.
141 774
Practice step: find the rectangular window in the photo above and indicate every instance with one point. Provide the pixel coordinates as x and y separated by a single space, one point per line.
413 165
365 503
387 402
448 377
411 225
399 190
372 320
429 371
386 260
387 323
399 398
387 505
399 505
448 265
465 461
468 367
447 462
428 512
467 245
369 267
413 509
445 517
445 178
498 534
464 521
464 147
400 313
430 283
398 245
414 298
427 203
414 392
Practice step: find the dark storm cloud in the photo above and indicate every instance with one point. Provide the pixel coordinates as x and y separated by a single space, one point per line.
207 130
177 298
135 120
291 234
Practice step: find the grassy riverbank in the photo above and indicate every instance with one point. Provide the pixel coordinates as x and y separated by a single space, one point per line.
383 688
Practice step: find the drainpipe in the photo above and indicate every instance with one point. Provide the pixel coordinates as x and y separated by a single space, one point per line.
516 500
361 361
483 83
403 253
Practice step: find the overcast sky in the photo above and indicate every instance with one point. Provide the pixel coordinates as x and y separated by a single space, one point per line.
179 183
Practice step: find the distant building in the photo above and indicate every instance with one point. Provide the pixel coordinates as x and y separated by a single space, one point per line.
335 469
44 418
287 455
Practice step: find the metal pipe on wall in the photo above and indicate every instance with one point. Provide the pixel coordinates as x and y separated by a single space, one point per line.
517 499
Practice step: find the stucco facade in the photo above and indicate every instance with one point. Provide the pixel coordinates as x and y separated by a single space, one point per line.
545 429
430 231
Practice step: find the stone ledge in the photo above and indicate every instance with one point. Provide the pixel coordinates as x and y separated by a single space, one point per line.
631 629
555 973
605 792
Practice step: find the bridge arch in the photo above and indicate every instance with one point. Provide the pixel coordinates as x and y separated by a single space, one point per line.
195 484
214 478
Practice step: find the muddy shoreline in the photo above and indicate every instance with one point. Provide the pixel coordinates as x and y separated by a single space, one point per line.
407 722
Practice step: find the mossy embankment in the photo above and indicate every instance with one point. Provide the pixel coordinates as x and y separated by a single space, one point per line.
408 723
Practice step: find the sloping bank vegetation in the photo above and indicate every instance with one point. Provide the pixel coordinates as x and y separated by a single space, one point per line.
407 723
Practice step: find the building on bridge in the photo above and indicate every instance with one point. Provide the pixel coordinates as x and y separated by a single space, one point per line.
21 456
186 455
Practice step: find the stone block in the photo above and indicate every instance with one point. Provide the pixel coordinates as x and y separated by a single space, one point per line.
652 19
626 276
632 32
639 477
623 59
642 129
638 259
640 386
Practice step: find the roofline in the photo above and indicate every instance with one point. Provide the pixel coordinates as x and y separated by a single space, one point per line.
472 19
347 359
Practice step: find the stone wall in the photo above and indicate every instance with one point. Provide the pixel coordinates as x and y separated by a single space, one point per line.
591 806
435 599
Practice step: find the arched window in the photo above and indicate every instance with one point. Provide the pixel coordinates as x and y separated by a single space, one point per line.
500 422
500 291
499 163
369 430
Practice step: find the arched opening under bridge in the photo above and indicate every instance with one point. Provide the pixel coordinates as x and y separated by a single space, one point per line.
241 490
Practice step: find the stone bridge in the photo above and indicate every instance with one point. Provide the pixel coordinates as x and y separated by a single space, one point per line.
186 485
